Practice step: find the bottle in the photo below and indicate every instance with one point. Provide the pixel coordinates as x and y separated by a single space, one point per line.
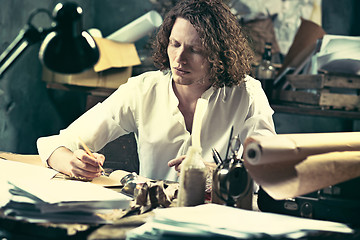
265 71
192 179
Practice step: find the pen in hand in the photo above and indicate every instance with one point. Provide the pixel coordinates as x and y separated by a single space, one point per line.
87 150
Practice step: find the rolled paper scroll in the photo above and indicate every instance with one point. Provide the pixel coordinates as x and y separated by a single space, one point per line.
138 28
296 147
290 165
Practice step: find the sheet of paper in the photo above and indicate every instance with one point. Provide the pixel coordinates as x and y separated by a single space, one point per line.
12 169
57 191
115 55
18 170
67 217
338 43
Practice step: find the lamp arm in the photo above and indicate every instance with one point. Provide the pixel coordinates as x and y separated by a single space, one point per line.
27 36
76 52
14 50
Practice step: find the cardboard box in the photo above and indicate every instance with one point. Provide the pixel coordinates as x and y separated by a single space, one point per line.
113 68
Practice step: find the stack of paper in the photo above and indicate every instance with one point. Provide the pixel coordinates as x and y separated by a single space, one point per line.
18 170
222 222
338 54
62 201
41 199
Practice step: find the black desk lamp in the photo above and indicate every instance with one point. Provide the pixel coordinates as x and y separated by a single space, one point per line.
66 48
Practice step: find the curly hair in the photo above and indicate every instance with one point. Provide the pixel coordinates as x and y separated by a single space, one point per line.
226 47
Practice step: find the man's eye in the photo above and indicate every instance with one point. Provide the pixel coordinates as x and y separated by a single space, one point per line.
174 43
197 50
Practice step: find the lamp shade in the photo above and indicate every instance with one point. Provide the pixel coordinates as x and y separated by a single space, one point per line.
67 48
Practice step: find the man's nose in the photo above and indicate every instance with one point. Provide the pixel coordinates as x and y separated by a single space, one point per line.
181 56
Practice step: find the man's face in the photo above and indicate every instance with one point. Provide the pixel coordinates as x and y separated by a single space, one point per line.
186 55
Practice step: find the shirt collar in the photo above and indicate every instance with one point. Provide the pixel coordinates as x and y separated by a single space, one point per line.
173 99
206 95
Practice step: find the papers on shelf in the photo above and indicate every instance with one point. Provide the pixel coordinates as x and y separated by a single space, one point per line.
338 54
218 221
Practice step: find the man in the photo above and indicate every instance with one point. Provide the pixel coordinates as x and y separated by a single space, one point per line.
201 53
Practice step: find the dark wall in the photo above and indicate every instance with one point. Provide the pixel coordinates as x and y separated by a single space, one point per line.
25 109
341 17
29 110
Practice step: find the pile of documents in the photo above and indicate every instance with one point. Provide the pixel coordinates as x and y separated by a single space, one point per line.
339 54
222 222
35 197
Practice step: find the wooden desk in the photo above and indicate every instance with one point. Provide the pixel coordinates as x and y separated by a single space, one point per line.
30 159
14 229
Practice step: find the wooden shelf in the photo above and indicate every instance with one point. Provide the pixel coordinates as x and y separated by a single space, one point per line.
279 107
314 111
96 91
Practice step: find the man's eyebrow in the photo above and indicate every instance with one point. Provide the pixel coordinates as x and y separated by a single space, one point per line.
196 45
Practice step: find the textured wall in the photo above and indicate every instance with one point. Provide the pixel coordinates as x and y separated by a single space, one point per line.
24 103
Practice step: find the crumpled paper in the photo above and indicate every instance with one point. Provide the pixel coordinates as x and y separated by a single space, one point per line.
155 194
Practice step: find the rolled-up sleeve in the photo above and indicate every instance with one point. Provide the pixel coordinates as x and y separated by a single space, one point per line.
98 126
259 119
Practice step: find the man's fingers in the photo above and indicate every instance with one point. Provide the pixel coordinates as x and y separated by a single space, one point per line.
84 157
100 158
77 172
176 161
178 168
85 166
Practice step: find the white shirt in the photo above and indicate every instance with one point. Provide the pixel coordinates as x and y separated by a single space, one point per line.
147 106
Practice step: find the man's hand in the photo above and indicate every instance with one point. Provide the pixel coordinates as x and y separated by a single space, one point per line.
176 162
83 165
78 164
